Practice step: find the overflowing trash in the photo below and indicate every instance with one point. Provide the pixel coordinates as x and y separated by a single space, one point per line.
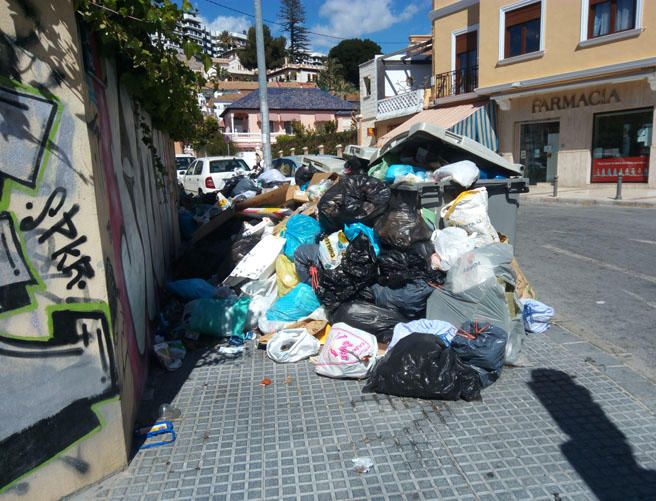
399 275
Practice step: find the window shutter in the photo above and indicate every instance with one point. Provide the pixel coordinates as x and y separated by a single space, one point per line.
523 14
466 42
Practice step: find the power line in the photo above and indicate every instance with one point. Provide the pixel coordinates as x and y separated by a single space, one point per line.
213 2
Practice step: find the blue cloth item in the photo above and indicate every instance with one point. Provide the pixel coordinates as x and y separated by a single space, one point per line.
296 304
191 288
537 316
300 230
444 330
353 230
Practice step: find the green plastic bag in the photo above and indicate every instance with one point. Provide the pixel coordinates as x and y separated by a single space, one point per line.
217 317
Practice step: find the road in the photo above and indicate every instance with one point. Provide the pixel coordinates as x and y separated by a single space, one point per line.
597 267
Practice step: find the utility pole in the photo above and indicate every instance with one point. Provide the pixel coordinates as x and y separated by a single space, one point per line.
262 78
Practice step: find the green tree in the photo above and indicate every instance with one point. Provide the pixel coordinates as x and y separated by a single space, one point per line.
209 140
274 50
351 54
225 41
292 15
331 79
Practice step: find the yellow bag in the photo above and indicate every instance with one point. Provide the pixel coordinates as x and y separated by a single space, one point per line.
286 277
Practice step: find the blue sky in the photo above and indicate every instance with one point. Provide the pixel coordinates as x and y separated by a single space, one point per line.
387 22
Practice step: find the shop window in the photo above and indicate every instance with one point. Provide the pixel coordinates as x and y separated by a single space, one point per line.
522 30
620 145
606 17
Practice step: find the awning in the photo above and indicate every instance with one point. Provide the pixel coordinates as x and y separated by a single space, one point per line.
323 117
475 121
289 117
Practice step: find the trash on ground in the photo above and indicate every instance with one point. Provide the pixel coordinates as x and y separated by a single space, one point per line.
292 345
265 382
168 412
362 464
160 429
537 315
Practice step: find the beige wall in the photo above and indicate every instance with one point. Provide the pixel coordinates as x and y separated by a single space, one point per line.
576 127
562 53
442 30
91 226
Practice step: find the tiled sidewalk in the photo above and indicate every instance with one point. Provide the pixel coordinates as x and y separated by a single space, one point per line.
560 429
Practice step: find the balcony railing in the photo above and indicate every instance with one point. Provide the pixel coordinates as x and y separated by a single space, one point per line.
400 105
250 137
451 83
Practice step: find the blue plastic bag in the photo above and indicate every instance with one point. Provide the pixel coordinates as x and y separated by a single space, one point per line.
300 230
296 304
398 170
187 224
353 230
192 288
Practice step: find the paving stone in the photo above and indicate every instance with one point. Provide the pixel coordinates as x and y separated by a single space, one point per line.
563 426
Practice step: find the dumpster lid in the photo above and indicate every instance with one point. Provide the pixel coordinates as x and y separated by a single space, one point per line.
362 152
449 146
325 163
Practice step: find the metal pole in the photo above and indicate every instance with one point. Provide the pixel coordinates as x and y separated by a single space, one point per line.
618 194
555 186
262 78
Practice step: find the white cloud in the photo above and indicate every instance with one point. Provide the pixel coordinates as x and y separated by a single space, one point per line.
355 18
229 23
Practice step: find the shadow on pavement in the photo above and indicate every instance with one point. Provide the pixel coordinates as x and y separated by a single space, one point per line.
596 449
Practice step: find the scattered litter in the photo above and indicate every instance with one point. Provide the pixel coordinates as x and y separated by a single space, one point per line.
362 464
265 382
537 315
168 413
159 429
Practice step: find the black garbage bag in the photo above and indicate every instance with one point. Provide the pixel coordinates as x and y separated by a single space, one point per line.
420 366
357 270
373 319
229 185
485 353
397 268
306 257
243 185
402 224
355 199
410 299
304 174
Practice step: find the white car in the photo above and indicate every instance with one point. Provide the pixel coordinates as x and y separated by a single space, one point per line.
209 174
182 163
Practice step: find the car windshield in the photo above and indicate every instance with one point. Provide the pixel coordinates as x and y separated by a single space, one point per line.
181 163
230 165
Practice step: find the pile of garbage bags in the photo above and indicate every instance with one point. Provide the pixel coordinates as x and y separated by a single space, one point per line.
361 282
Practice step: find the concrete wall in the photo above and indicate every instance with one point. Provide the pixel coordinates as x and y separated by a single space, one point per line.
576 126
87 231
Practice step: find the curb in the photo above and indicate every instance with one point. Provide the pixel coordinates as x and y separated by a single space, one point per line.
636 384
539 199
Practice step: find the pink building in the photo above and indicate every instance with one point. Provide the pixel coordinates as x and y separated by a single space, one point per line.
311 107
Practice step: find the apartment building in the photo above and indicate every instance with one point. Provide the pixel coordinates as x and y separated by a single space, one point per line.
568 85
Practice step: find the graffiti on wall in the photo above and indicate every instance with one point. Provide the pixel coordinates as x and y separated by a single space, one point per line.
58 363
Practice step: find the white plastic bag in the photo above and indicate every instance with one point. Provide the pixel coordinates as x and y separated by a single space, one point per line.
480 265
537 316
269 326
469 212
263 294
292 345
451 243
331 249
348 353
465 173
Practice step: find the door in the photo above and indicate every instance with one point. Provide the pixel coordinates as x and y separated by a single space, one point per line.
191 183
538 150
466 63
